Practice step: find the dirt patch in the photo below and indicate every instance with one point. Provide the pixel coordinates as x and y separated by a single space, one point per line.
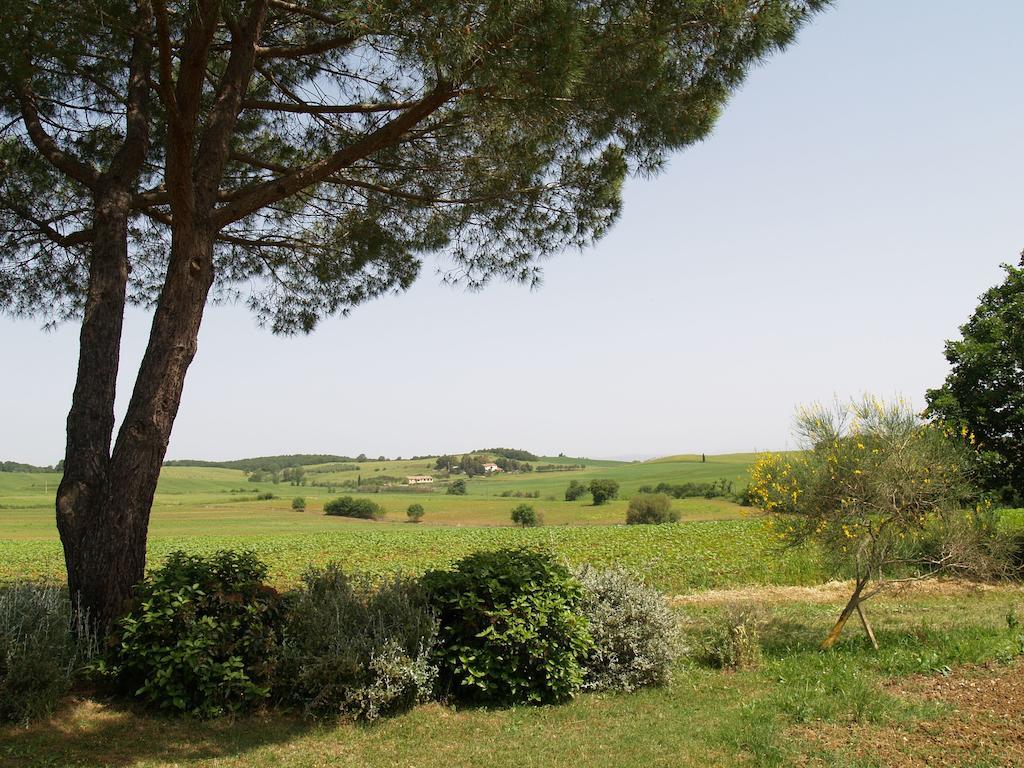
833 592
985 726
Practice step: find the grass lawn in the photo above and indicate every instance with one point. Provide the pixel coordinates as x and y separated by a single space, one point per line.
794 710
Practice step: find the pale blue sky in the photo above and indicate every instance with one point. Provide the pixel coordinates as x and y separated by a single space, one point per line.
857 195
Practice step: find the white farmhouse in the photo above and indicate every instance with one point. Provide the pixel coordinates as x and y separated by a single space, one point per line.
419 479
491 468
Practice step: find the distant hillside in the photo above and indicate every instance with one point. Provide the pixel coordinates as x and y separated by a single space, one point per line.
17 466
510 453
266 463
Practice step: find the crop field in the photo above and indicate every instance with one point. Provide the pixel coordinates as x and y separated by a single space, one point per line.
208 508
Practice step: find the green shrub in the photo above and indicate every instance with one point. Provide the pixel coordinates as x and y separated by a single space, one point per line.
511 628
524 515
350 647
265 496
650 508
347 506
202 636
40 649
636 637
575 490
603 490
457 488
734 641
415 512
298 504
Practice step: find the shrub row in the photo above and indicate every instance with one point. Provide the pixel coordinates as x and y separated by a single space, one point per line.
206 636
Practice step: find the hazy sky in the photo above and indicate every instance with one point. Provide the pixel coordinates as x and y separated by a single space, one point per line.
857 195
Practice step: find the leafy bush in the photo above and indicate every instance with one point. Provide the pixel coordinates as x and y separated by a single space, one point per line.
265 496
298 504
40 649
603 490
347 506
202 636
719 488
734 641
650 508
415 512
457 488
575 490
350 647
511 628
524 515
636 638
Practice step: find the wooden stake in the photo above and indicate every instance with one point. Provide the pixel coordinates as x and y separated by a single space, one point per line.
867 626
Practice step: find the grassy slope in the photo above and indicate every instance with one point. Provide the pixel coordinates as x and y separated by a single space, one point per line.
202 500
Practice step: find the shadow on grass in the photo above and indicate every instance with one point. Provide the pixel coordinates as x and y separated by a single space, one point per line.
87 732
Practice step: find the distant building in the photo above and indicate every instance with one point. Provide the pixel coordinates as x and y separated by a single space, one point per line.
490 468
419 479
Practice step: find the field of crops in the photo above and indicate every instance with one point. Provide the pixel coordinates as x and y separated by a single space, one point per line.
676 558
207 508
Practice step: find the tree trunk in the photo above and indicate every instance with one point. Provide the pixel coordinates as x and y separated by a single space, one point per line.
847 612
84 519
104 504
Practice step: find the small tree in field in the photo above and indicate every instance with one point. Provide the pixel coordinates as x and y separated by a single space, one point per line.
415 513
650 509
299 504
603 490
524 515
575 490
457 488
882 493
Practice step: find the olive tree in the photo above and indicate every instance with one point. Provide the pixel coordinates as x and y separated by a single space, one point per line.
882 493
303 157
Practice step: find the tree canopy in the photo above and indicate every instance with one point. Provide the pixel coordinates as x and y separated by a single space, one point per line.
982 399
367 135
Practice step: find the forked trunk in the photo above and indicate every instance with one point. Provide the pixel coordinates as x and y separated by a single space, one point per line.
103 504
852 606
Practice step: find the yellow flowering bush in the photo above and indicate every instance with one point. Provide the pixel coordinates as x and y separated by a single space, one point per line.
884 494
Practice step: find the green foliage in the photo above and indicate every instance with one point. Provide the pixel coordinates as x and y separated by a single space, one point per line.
347 506
299 504
354 647
472 466
41 649
532 115
575 490
650 508
201 638
511 630
267 496
603 490
874 484
457 488
524 515
982 399
718 489
415 512
734 641
635 633
515 454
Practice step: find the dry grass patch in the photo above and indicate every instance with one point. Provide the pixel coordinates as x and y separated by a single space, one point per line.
982 724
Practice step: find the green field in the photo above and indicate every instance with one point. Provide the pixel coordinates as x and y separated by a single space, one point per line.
206 508
800 707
